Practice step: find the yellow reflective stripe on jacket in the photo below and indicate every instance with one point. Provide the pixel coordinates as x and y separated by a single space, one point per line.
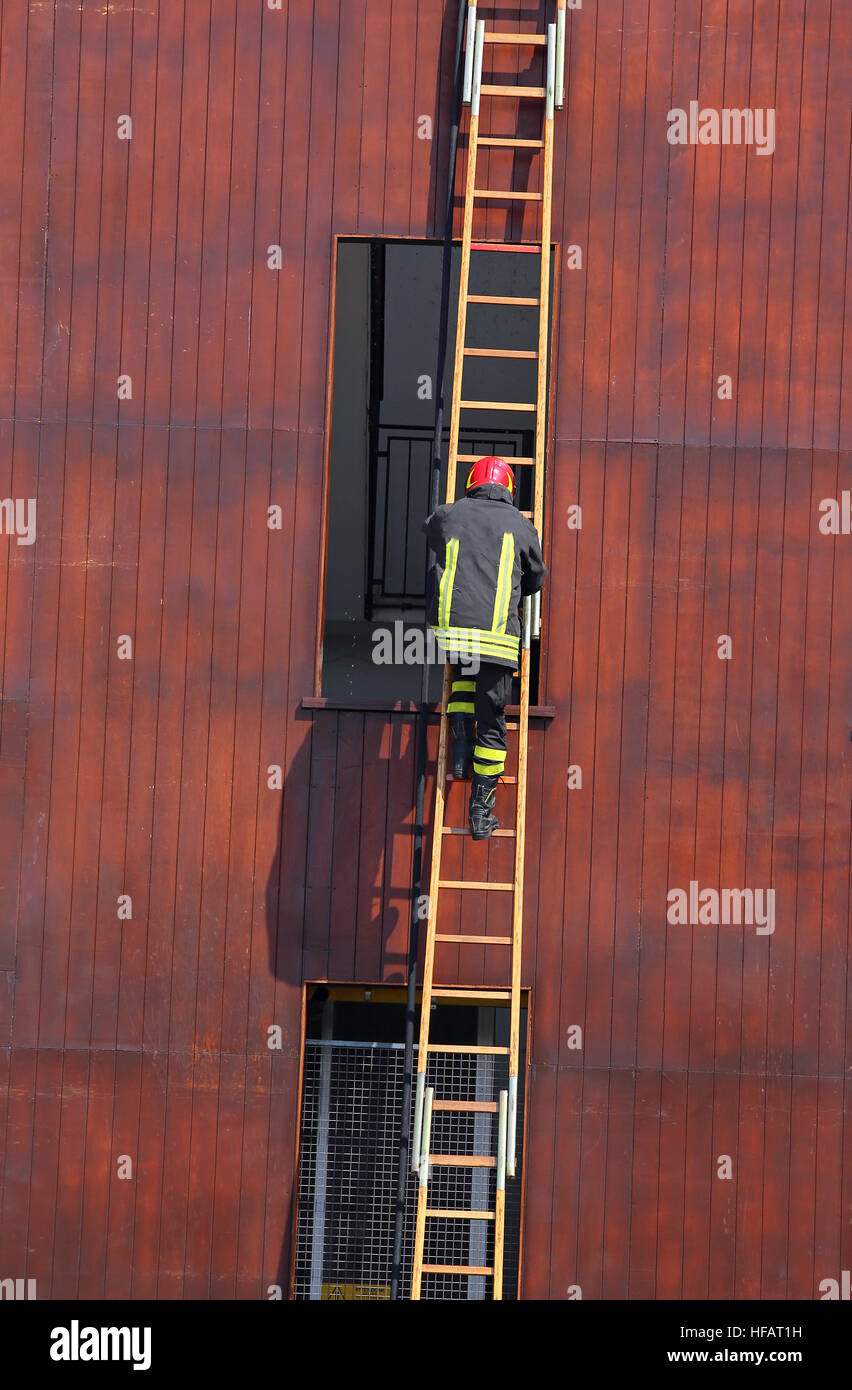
474 641
504 584
476 637
445 592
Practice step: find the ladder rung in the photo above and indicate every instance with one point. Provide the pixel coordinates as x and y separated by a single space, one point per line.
464 1047
497 405
539 40
504 781
499 299
464 830
474 940
499 352
460 1215
474 883
507 193
457 1269
503 140
522 246
510 459
486 1107
450 993
489 90
463 1160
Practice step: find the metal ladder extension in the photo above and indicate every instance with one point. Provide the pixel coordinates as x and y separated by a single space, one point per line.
552 48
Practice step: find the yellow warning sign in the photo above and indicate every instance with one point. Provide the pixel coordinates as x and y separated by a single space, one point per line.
355 1292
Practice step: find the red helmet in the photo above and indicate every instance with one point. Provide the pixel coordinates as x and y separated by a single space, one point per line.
490 470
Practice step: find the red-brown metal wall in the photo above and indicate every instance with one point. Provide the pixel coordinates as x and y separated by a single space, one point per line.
145 774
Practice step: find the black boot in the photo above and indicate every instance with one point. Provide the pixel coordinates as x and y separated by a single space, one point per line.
483 791
463 729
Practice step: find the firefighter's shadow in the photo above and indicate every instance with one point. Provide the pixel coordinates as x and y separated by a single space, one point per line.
338 888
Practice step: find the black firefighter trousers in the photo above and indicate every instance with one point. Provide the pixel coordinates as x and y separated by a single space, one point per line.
484 696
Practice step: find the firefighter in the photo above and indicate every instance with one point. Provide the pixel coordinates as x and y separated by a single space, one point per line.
487 555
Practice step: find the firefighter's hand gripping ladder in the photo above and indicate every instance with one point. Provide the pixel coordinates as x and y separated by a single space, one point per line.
505 1108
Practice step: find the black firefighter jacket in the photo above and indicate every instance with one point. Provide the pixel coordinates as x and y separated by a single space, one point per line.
487 555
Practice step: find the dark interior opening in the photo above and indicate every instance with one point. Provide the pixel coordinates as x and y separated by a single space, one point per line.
387 311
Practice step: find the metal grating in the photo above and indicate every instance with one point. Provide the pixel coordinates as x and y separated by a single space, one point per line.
347 1175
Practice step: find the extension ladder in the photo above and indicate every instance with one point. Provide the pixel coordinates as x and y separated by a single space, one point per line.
552 48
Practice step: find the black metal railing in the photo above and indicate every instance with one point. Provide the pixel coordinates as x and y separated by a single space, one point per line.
399 476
